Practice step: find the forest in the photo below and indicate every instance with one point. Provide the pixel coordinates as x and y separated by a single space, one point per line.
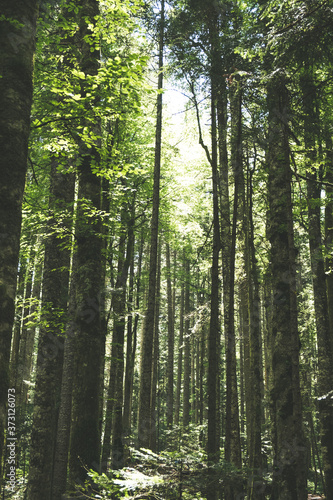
166 238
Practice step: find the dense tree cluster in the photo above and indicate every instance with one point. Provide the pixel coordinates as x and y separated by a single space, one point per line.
166 285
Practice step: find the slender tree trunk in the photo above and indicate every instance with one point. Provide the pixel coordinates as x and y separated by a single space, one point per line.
187 351
213 445
194 379
225 234
145 414
232 446
255 461
203 354
243 238
171 341
27 342
289 481
180 350
130 358
17 362
325 358
65 409
268 350
110 398
242 370
23 299
50 343
155 389
128 367
17 42
24 387
119 310
114 392
329 228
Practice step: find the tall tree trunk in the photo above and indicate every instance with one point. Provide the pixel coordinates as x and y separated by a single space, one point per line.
65 408
145 414
130 355
329 228
325 358
27 342
267 340
50 343
246 294
202 371
194 379
22 306
255 461
86 426
128 358
17 42
180 349
187 351
170 360
155 398
242 368
24 296
289 481
232 445
213 445
117 305
85 431
119 310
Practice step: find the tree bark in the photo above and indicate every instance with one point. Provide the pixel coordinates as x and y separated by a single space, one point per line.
131 349
232 445
213 445
17 43
88 343
119 310
145 414
180 350
329 229
50 343
289 480
255 461
65 408
171 341
325 358
187 351
155 389
22 306
27 341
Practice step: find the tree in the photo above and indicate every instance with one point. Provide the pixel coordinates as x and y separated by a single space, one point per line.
325 358
145 413
289 451
170 341
51 340
18 26
187 350
213 445
86 425
132 340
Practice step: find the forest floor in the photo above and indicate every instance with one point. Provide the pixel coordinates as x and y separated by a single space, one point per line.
151 476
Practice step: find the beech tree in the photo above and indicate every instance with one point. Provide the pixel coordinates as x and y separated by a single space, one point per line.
18 27
146 420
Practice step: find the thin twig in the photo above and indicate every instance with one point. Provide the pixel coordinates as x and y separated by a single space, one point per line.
201 142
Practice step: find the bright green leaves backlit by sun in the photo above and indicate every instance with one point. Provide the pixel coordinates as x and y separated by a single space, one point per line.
186 178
